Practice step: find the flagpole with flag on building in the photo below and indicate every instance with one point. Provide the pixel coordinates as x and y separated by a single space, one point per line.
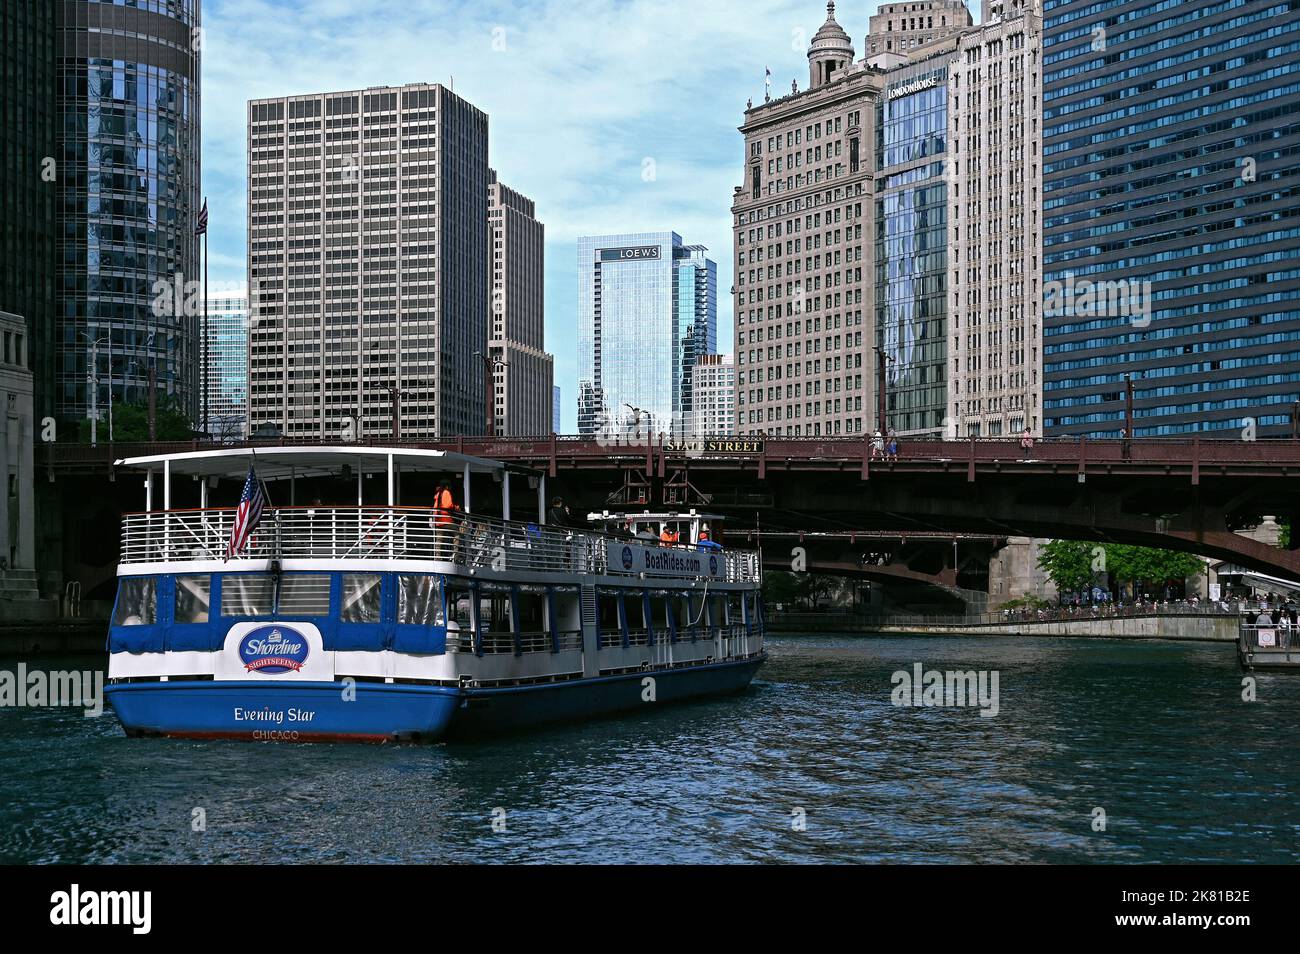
201 228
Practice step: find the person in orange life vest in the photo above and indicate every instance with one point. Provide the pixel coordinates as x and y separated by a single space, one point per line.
669 537
443 505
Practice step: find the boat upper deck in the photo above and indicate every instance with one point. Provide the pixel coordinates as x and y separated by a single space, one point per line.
461 541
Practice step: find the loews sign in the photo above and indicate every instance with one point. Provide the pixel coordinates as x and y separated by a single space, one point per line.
636 254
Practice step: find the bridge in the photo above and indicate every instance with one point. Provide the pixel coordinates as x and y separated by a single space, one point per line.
1185 494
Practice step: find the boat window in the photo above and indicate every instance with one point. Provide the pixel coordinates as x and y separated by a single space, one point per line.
532 612
717 611
459 604
636 614
247 594
609 613
419 600
494 612
361 597
733 608
193 594
305 594
137 601
690 610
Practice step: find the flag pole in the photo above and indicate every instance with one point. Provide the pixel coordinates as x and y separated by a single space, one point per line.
204 355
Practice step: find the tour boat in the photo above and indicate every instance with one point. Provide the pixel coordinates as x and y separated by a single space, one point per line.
402 620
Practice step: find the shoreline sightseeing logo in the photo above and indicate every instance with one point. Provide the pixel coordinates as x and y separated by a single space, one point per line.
273 650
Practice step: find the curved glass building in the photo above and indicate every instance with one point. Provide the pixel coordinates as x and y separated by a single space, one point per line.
128 102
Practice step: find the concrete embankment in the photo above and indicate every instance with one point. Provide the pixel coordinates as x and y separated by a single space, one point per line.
1209 628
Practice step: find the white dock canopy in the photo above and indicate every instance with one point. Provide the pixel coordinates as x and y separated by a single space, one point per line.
292 462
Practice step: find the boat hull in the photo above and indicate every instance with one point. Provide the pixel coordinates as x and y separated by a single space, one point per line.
381 712
513 708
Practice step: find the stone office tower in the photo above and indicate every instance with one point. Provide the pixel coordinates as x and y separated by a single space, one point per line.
523 373
368 263
803 227
995 225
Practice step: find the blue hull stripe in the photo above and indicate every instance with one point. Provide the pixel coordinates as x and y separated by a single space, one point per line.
316 711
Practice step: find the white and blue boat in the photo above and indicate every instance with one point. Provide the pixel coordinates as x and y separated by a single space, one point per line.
394 620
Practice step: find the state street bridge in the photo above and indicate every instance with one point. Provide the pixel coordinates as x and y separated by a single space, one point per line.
1188 495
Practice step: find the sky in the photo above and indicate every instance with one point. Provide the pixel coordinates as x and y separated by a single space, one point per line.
613 115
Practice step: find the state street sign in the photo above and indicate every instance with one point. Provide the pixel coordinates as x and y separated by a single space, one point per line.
654 561
720 446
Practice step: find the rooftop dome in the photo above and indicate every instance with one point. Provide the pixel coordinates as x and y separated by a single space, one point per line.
831 50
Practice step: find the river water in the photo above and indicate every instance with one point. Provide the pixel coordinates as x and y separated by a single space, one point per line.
813 764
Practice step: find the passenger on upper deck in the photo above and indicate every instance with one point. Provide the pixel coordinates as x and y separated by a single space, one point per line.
669 537
706 540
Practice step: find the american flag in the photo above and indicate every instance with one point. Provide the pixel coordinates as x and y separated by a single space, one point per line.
248 516
201 228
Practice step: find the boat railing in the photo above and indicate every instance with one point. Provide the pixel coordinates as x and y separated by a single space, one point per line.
387 533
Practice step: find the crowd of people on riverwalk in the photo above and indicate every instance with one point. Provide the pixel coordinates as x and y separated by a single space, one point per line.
1277 607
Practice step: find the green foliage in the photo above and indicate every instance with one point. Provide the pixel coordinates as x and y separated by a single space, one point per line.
1025 602
1068 563
1075 565
802 589
779 587
131 423
1130 564
1285 540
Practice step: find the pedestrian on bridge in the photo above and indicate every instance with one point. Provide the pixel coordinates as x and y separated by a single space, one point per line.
1026 443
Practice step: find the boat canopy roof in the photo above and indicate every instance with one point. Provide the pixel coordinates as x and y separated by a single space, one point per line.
274 463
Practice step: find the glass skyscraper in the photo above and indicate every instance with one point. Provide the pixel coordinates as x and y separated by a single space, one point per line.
224 366
29 177
1171 215
911 245
647 309
128 172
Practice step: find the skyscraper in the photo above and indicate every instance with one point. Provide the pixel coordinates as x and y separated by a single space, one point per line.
994 229
803 234
225 364
29 180
1171 216
903 27
713 412
368 262
647 309
522 370
128 173
911 255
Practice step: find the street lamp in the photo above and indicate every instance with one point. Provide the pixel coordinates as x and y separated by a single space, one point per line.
94 386
636 419
490 362
882 362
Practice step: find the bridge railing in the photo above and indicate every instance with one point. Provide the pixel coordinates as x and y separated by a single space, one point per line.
387 533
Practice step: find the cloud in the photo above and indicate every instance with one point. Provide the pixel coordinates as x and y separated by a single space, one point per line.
580 94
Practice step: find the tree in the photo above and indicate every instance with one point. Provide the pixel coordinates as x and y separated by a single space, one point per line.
780 587
1069 564
1138 565
1074 565
814 586
131 423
